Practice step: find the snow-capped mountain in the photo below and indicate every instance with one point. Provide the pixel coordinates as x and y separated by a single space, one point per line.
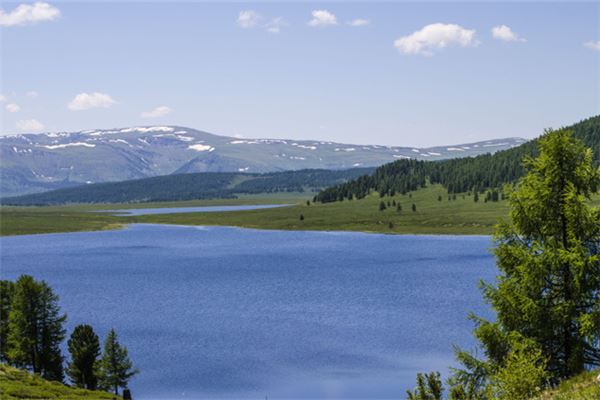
38 162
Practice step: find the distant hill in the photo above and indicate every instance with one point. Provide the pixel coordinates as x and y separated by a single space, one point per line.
457 175
40 162
191 186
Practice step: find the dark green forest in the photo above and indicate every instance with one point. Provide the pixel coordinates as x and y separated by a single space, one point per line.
209 185
477 174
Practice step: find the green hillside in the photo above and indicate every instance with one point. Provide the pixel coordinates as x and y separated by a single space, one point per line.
582 387
18 384
457 175
178 187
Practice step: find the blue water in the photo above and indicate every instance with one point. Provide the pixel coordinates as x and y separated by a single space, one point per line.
177 210
227 312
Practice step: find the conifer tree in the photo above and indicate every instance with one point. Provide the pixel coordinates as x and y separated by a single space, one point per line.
382 206
36 329
115 367
84 347
548 291
7 289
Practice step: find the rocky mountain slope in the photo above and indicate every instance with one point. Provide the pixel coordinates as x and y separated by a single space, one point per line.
38 162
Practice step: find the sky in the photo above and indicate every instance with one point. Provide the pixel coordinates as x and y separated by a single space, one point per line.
392 73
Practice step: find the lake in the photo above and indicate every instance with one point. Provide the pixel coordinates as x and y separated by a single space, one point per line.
230 313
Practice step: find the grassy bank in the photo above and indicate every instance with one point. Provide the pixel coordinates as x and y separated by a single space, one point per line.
582 387
18 384
455 216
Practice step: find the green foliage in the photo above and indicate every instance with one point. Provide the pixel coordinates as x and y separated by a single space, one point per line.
36 328
523 374
382 205
547 294
84 347
115 367
7 289
429 387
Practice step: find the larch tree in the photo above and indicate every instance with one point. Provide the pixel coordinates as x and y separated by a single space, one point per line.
548 290
115 367
36 329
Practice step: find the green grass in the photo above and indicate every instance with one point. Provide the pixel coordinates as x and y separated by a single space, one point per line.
18 384
585 386
460 216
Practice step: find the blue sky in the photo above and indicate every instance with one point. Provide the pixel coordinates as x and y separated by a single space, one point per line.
409 74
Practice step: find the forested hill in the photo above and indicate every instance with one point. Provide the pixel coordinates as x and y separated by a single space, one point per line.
458 175
191 186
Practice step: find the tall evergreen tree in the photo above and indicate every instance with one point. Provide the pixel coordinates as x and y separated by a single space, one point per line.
36 328
115 367
7 288
84 347
548 291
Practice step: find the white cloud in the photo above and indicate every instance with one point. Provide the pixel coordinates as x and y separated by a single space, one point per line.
503 32
322 18
157 112
32 94
84 101
594 45
13 108
27 14
2 98
29 125
359 22
435 36
248 19
275 25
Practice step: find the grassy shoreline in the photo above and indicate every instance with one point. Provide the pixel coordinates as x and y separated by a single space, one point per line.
435 213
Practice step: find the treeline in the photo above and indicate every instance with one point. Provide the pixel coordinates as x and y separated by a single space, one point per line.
207 185
32 330
458 175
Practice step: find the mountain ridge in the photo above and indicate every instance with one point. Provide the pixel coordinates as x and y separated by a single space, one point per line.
40 162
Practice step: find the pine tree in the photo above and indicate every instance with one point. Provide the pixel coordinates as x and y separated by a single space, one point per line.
7 289
548 290
115 367
36 329
84 347
382 206
414 207
476 197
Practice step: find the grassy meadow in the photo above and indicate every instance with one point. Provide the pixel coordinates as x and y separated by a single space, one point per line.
432 216
19 384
